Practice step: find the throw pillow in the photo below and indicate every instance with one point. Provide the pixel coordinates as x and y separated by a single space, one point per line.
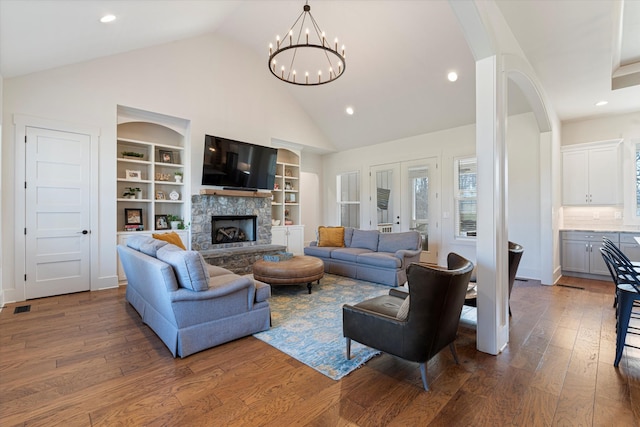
151 248
189 266
172 237
330 236
365 239
403 313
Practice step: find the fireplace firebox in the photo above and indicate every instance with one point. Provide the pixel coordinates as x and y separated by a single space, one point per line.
233 228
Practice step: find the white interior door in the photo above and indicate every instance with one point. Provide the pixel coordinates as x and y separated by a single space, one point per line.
57 211
385 197
421 204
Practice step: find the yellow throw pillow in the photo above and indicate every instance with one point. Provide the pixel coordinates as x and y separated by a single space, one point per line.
330 236
172 237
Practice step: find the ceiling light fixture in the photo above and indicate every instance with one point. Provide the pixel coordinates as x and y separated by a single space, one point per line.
452 76
311 51
107 18
601 103
349 111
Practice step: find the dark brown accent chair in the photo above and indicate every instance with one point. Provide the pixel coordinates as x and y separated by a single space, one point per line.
515 255
435 297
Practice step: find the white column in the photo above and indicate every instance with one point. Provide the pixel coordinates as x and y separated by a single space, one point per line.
492 251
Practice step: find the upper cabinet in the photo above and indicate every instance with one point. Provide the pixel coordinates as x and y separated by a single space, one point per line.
591 174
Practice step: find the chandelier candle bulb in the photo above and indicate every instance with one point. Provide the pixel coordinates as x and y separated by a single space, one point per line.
277 42
307 33
336 44
270 48
290 37
294 75
306 77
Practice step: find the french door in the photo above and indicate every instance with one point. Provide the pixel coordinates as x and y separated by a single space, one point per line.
404 196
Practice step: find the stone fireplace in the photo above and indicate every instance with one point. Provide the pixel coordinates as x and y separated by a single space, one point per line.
231 210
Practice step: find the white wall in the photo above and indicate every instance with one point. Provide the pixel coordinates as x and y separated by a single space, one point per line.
625 126
524 182
190 79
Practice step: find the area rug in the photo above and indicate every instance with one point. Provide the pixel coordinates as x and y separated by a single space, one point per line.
308 327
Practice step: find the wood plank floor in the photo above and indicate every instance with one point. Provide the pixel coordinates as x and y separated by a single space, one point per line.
87 360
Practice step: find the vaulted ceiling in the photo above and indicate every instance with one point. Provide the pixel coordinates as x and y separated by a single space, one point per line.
398 53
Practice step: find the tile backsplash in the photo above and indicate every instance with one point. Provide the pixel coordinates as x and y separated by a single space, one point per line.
593 218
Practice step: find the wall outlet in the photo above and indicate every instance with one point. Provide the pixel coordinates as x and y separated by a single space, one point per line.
617 215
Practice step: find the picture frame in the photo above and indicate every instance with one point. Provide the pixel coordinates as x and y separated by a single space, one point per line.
160 195
133 175
162 222
166 156
133 216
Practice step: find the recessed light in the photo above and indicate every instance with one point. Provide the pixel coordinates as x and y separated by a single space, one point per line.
452 76
349 111
601 103
107 18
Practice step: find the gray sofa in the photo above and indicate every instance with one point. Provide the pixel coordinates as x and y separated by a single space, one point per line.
370 255
189 304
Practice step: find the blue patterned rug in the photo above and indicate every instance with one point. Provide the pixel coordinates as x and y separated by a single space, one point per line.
309 327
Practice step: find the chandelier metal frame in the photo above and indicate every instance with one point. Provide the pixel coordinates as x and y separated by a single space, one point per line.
334 69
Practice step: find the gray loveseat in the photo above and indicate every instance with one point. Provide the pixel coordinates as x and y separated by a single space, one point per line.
370 255
189 304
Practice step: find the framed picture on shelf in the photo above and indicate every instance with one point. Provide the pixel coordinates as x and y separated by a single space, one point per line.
160 195
132 175
132 216
162 222
166 156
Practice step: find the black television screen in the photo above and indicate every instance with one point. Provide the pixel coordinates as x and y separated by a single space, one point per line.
235 164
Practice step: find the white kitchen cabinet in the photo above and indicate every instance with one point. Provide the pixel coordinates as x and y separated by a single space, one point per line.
291 236
581 253
591 174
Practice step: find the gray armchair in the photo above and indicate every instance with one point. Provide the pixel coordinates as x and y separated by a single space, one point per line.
434 304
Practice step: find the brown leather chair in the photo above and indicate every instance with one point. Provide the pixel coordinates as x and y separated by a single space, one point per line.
435 301
515 255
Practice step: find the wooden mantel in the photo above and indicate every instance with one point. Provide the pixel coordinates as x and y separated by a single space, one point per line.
234 193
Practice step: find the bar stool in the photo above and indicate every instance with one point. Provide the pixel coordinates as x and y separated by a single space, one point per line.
627 291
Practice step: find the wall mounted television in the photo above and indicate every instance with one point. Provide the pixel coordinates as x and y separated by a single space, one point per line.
238 165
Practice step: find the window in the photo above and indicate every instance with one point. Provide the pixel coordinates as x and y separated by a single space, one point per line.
465 197
349 199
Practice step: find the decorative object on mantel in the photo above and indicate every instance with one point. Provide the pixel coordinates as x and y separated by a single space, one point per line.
311 51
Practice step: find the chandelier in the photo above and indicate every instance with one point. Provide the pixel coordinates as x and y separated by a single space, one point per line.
305 49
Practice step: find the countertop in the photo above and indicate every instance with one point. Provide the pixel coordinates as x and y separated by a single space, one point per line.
623 229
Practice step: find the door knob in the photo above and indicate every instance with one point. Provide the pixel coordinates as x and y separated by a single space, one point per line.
83 232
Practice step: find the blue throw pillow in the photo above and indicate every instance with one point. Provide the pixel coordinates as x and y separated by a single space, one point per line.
392 242
365 239
189 266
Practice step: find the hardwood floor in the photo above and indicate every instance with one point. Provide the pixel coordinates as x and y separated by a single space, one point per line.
87 360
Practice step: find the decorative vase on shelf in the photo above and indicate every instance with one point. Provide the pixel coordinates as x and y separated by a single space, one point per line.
138 194
178 178
174 225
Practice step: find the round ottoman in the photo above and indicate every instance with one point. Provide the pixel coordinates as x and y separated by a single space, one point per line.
294 271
